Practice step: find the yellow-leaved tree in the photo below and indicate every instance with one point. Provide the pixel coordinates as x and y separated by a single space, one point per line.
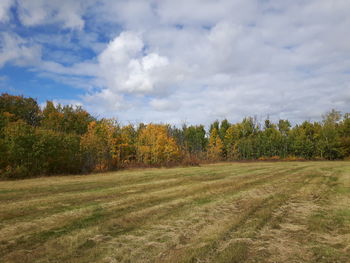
156 147
215 147
125 151
231 138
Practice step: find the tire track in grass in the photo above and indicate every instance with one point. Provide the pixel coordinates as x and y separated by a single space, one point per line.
253 218
144 196
77 183
29 212
85 222
164 257
129 202
134 221
282 235
119 181
239 251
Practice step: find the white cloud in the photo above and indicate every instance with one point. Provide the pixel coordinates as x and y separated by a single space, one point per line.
165 104
104 103
125 67
198 60
18 50
4 10
36 12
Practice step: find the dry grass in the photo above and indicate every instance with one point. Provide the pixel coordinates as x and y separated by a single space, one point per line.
238 212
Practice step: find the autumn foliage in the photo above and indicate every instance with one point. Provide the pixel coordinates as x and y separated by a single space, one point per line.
68 140
156 147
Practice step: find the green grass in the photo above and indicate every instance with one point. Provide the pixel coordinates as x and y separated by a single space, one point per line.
327 254
231 212
235 253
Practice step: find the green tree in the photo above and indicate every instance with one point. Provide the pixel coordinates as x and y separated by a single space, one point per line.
345 134
195 139
66 118
20 108
329 145
284 129
270 141
305 139
56 152
19 138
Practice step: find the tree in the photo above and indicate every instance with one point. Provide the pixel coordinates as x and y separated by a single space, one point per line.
305 138
329 144
248 127
67 139
246 149
66 118
156 147
215 147
284 129
246 131
270 141
345 134
98 146
52 117
195 139
20 108
19 138
332 117
179 135
56 152
268 124
214 125
231 138
223 128
125 143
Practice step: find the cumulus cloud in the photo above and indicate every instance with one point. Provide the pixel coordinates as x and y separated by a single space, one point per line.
127 67
197 61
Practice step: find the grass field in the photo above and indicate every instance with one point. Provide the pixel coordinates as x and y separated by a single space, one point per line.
232 212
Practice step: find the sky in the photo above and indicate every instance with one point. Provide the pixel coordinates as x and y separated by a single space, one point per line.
183 61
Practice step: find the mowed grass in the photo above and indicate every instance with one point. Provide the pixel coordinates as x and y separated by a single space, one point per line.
230 212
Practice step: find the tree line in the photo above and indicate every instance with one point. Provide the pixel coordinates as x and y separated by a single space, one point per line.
68 140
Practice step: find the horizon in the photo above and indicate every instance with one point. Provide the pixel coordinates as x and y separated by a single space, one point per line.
258 121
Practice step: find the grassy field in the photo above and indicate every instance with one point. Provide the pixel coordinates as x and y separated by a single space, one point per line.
232 212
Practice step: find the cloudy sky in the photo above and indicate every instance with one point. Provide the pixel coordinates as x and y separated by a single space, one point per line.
180 61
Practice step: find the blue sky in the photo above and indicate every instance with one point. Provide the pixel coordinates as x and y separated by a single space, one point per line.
180 61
